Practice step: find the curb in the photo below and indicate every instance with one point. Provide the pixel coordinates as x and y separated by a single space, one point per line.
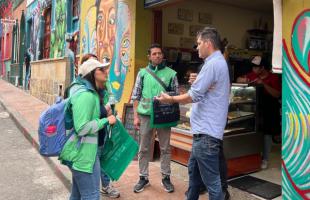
28 131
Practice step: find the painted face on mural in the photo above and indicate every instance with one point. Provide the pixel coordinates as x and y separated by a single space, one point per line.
125 52
106 29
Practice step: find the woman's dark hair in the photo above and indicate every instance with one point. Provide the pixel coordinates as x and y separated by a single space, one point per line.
87 56
90 77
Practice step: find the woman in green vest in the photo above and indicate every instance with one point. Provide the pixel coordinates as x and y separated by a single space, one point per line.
80 152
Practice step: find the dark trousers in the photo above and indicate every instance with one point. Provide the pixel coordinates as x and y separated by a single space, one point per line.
204 167
222 170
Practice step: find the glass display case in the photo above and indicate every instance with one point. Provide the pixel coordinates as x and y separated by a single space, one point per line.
242 114
242 138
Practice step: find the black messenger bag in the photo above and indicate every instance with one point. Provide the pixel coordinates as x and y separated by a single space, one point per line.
163 114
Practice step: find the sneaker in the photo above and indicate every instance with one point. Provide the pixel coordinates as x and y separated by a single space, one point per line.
110 191
167 184
264 164
226 194
143 182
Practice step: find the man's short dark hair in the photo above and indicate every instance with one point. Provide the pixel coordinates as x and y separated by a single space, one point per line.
154 45
211 34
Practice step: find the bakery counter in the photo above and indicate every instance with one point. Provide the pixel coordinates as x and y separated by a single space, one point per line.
242 151
242 139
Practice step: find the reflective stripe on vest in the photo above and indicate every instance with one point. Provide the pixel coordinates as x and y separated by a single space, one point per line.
89 140
85 139
92 125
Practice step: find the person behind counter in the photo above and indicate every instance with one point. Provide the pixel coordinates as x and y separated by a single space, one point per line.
270 101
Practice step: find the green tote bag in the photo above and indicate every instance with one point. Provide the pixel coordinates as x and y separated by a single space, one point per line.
118 151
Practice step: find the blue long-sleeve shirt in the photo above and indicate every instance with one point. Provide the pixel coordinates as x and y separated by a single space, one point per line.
210 95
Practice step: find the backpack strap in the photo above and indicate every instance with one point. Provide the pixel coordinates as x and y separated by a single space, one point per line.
157 78
68 107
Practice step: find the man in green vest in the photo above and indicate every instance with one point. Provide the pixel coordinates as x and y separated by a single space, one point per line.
146 88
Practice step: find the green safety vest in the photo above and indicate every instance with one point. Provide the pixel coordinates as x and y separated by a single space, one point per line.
80 150
151 87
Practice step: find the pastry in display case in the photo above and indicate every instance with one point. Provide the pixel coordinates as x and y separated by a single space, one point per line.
184 123
242 112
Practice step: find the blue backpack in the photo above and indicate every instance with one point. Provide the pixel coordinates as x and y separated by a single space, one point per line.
52 131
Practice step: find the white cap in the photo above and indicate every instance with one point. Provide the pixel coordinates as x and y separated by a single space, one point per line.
257 60
90 65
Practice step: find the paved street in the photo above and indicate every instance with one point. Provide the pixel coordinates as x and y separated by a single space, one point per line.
24 173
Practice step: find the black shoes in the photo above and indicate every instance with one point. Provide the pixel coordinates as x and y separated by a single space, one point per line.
143 182
203 190
166 183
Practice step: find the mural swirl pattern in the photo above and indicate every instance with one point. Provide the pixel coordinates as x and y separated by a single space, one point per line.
296 110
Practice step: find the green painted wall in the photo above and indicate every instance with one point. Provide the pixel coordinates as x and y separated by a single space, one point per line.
59 29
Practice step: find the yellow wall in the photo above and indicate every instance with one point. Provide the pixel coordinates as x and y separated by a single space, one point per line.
232 22
144 34
130 77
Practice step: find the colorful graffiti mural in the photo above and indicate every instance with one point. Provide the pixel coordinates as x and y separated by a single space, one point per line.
296 100
6 8
33 15
113 35
121 57
106 29
59 30
88 27
109 36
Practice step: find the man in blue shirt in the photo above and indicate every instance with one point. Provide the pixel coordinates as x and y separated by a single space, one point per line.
210 97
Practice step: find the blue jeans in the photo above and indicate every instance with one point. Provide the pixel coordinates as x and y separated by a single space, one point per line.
203 167
85 186
105 180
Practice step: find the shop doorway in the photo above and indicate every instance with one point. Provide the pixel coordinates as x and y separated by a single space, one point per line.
246 28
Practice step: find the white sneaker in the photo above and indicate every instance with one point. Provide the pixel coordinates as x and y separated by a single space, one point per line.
110 191
264 164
